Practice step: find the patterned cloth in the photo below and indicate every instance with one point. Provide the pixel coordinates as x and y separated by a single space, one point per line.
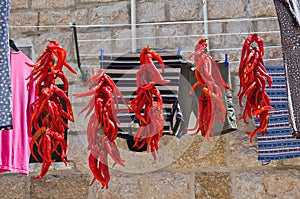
278 143
290 39
5 86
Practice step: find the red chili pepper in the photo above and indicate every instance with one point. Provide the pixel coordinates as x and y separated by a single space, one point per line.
34 139
248 41
261 70
112 150
199 122
93 163
260 44
45 167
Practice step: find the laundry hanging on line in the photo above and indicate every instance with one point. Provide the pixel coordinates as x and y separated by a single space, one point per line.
14 143
5 88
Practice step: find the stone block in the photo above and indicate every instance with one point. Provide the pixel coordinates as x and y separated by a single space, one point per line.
242 153
267 25
213 185
172 36
65 17
228 9
13 185
46 4
292 162
150 12
145 34
56 167
121 42
184 10
90 43
168 185
262 8
202 154
81 122
170 149
218 43
228 27
28 18
63 185
117 13
283 184
121 186
196 29
78 151
19 4
273 52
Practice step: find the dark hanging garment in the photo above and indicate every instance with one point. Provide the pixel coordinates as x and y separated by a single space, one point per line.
5 86
288 12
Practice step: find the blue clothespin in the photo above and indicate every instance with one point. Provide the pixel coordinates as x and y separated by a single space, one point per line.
179 51
101 54
226 60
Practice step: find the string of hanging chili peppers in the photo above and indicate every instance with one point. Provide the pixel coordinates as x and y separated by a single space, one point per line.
48 119
148 103
102 129
253 75
210 105
103 107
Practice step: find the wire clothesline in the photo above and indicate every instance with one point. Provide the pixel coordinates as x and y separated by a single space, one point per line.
70 25
189 51
180 36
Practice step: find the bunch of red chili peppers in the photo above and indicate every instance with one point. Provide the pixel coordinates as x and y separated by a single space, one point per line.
148 72
210 104
253 75
152 119
148 101
48 117
103 124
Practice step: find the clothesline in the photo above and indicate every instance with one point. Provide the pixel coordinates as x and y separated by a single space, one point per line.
120 54
70 25
270 59
180 36
185 51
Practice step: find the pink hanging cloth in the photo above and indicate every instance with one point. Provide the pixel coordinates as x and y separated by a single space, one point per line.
14 143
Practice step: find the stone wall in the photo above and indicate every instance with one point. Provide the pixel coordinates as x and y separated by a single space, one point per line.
190 167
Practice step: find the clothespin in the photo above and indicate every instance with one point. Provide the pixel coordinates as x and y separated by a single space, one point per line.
101 54
226 60
179 51
101 57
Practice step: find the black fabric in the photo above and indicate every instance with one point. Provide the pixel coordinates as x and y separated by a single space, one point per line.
55 155
189 102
